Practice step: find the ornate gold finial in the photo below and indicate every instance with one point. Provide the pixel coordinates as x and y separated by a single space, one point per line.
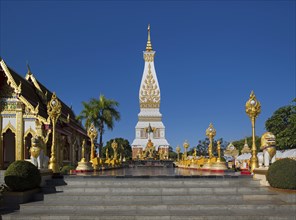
149 45
29 69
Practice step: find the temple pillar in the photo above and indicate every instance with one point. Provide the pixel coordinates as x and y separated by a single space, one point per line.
19 137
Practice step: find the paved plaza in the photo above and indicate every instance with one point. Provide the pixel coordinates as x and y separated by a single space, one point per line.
157 172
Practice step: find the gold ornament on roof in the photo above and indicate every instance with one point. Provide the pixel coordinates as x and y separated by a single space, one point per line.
150 94
148 45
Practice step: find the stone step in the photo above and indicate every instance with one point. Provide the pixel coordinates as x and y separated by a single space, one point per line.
162 191
157 199
160 183
150 216
40 207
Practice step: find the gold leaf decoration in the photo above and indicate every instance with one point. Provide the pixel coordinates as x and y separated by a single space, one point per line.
150 94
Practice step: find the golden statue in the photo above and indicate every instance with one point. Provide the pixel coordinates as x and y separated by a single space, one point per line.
83 152
268 147
83 164
150 148
38 158
195 153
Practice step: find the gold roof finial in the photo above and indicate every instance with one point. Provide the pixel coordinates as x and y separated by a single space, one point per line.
29 69
149 45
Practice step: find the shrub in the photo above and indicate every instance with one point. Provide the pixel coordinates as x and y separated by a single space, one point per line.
66 169
282 174
22 175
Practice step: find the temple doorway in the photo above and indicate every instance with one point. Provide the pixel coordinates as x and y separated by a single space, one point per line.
8 148
28 144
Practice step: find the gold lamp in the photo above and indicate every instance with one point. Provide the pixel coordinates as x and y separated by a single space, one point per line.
253 109
54 109
92 134
210 133
186 146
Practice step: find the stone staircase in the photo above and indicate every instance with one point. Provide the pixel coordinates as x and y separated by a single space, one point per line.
160 199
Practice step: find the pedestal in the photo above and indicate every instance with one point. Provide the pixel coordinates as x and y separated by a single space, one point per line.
207 166
218 167
84 166
260 174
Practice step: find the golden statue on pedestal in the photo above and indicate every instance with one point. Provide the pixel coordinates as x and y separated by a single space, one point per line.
150 149
83 165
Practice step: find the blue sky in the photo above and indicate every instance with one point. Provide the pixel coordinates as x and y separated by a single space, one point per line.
209 56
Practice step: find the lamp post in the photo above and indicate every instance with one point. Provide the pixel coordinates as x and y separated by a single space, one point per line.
210 133
253 109
54 108
92 134
185 145
178 149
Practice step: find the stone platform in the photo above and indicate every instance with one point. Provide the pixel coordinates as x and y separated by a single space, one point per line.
152 163
158 198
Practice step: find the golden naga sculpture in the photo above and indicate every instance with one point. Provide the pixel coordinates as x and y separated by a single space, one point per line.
269 148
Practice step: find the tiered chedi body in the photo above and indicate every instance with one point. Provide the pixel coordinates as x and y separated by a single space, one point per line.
149 116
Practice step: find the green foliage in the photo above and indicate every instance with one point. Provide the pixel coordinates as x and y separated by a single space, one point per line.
66 169
239 144
101 112
282 174
124 148
22 175
202 147
172 155
283 125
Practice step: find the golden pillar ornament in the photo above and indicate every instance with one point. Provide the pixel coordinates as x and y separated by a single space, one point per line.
114 145
92 134
219 151
178 149
186 146
83 152
210 133
54 109
253 109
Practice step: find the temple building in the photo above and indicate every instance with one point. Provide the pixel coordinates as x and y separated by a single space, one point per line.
149 126
23 115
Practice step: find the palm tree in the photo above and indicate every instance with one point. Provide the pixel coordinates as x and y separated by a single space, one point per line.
101 112
88 114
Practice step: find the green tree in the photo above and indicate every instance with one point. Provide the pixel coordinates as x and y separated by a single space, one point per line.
88 114
283 125
239 144
202 147
102 112
124 148
172 155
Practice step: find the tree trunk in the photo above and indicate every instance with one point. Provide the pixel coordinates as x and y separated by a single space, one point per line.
101 144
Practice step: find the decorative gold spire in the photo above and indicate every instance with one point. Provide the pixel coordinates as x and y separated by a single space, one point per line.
149 45
29 69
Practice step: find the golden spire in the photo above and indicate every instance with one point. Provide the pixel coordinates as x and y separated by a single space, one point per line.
149 45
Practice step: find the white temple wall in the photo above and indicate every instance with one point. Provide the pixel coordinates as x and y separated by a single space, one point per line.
6 120
29 123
